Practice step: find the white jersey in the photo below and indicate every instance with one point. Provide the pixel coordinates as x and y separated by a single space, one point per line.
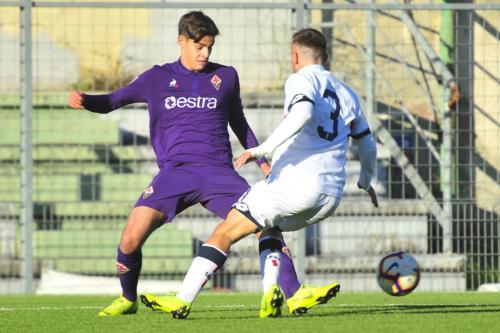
315 156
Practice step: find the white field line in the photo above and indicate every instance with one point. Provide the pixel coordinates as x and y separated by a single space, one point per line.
234 306
44 308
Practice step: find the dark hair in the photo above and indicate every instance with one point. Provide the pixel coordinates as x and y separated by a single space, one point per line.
196 25
312 39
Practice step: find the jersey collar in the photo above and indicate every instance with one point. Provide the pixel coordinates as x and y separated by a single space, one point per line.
312 67
183 70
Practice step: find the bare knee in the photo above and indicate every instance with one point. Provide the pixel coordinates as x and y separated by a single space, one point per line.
129 242
235 227
141 223
220 238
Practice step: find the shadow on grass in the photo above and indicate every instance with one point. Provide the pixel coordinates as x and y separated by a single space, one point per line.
409 309
346 310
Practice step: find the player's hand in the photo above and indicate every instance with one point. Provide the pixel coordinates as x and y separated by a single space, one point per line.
243 159
75 100
373 195
266 169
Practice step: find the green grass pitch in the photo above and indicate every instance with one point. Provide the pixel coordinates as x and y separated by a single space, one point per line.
238 312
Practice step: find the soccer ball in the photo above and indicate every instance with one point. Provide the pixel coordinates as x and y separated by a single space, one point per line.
398 274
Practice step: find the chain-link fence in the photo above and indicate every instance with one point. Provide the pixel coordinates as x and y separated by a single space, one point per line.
438 155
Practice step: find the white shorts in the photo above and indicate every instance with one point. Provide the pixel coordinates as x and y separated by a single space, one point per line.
287 205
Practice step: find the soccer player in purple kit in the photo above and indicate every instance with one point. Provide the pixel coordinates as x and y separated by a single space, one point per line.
190 103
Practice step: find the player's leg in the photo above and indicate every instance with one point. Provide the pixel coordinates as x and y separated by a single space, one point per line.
172 190
299 297
270 245
213 253
141 223
210 258
308 296
288 280
224 187
292 208
258 206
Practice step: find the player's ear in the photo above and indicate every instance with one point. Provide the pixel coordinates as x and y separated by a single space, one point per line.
294 55
181 40
295 58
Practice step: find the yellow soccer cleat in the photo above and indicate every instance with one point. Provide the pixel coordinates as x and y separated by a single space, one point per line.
308 296
120 306
271 302
172 304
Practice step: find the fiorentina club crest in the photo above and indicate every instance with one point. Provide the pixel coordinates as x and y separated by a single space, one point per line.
216 81
286 251
122 269
148 191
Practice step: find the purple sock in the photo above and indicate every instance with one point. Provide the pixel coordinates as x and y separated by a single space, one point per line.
288 279
129 268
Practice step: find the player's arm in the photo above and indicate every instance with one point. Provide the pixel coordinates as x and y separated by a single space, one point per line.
299 104
300 113
245 135
367 151
241 128
135 92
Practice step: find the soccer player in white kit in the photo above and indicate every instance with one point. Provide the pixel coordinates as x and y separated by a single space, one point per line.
307 178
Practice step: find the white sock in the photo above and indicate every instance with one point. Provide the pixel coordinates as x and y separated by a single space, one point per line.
200 271
271 270
203 267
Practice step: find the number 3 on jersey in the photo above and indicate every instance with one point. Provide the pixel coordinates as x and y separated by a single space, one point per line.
324 134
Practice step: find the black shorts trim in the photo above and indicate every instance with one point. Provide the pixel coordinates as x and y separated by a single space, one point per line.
247 214
361 134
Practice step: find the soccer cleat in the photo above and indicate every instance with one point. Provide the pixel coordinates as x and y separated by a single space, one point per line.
271 302
120 306
172 304
307 297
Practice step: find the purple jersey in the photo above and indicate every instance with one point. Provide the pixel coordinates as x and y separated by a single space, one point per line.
189 112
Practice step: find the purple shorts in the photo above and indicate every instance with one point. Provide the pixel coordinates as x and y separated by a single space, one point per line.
178 187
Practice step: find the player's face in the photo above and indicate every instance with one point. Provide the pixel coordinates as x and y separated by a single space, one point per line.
194 55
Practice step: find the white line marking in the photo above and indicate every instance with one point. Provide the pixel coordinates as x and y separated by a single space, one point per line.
43 308
242 306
